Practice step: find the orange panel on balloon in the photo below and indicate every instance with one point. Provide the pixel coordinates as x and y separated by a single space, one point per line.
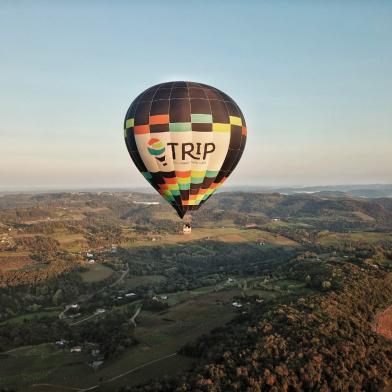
139 129
183 174
170 180
159 119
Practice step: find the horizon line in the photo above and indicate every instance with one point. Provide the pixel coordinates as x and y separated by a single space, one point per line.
54 189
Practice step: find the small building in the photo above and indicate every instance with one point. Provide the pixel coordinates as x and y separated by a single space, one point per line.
187 229
76 349
91 261
251 226
95 364
128 295
74 306
146 203
61 342
89 255
236 304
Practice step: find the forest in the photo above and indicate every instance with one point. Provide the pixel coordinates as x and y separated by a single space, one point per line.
324 342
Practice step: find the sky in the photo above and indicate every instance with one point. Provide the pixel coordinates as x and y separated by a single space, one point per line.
313 79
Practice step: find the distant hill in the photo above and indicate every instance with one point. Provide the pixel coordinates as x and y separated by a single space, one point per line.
363 190
367 191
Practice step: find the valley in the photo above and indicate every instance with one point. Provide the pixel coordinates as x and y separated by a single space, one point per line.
98 292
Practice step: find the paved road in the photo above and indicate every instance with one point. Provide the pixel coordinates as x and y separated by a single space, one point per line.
83 320
133 318
67 307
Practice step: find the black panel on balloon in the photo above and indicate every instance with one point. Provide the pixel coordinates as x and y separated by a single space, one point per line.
197 93
198 127
167 85
156 128
180 84
184 195
180 92
180 110
162 93
219 112
131 139
200 106
142 115
233 109
159 107
236 137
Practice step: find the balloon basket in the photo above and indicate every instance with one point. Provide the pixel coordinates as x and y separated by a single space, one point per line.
187 228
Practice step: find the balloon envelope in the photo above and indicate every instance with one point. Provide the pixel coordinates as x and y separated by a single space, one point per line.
185 138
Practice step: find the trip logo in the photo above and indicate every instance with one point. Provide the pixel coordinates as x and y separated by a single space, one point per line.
157 149
179 151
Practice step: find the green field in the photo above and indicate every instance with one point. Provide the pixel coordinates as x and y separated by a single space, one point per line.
96 273
132 282
224 233
160 336
34 315
37 362
363 236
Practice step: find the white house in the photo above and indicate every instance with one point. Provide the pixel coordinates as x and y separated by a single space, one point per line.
96 364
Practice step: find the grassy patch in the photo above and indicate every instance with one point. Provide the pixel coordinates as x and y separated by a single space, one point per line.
223 233
363 237
30 316
37 362
96 273
134 281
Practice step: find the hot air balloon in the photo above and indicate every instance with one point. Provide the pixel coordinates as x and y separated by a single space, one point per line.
185 138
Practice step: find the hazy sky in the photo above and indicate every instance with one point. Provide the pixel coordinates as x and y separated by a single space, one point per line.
314 81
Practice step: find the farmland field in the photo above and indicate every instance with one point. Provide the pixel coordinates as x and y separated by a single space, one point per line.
224 234
135 281
364 237
12 261
71 242
34 315
384 323
96 273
